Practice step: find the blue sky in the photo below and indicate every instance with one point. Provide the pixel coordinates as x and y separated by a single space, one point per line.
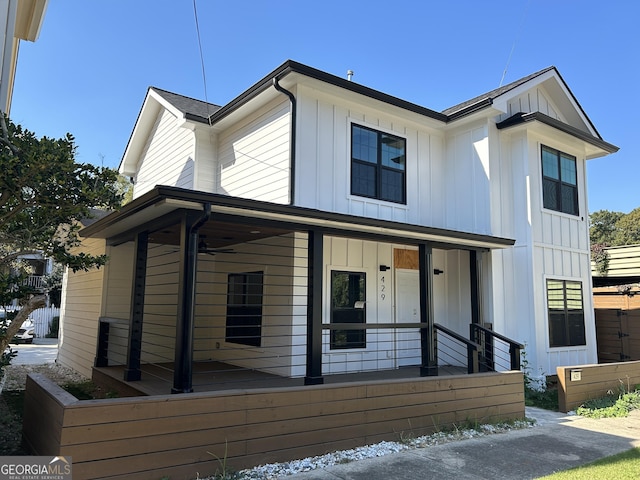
90 68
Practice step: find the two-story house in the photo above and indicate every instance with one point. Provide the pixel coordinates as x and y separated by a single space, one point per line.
314 227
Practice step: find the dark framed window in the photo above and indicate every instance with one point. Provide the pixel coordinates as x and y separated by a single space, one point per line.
348 306
378 164
559 181
566 313
244 308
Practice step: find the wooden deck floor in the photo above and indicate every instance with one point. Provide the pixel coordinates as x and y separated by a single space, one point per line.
157 379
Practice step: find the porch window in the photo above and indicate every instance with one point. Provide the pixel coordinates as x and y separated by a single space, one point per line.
566 313
244 308
559 181
377 165
348 306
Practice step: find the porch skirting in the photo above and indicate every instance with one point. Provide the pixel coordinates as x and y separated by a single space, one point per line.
181 436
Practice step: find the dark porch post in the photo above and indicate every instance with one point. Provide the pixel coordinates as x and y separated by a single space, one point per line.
183 360
132 372
314 309
475 287
427 334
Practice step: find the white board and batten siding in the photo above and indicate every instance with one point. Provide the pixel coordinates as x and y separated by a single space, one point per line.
323 164
168 157
549 245
80 312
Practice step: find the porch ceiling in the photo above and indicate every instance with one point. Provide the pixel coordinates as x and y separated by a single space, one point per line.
236 220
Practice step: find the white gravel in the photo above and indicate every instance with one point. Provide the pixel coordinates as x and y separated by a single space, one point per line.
273 471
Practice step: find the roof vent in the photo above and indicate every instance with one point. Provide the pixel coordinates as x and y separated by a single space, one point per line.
349 74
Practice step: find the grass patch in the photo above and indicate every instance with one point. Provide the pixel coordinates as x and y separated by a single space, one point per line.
622 466
87 390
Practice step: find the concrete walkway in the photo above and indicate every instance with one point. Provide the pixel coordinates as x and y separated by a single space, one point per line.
42 350
558 442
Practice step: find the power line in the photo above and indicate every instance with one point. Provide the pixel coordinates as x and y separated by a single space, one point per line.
513 47
204 76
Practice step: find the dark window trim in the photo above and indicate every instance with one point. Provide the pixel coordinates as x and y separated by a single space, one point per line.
356 339
379 166
559 183
243 323
566 312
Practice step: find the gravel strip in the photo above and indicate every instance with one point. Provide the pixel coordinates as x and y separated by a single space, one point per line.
16 375
277 470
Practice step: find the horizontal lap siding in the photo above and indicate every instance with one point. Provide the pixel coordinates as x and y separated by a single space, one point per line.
181 435
595 382
168 158
80 313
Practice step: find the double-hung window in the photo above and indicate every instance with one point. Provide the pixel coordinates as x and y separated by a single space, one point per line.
378 163
566 313
559 181
244 308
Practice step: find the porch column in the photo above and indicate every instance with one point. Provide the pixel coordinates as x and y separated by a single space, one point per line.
132 372
474 272
183 356
314 309
427 334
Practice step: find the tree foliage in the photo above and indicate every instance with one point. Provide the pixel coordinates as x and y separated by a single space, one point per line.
603 226
43 190
612 229
628 229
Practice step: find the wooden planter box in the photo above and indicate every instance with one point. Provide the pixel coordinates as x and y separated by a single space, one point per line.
181 435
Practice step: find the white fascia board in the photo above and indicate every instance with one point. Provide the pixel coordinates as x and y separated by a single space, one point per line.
153 104
29 19
558 91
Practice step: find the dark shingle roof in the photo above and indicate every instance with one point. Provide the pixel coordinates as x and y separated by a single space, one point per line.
485 97
190 107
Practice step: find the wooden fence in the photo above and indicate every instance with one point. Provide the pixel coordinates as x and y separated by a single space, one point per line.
41 319
580 383
180 436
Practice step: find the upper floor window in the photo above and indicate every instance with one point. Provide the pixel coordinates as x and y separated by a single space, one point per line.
566 313
378 162
559 181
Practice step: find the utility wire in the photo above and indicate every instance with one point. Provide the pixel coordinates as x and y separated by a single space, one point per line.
513 47
204 76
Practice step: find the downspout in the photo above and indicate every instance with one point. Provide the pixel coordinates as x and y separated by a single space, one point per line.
183 369
292 149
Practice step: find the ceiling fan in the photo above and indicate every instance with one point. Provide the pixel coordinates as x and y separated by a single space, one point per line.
203 247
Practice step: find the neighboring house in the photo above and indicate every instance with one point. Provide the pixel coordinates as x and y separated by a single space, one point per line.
313 226
22 20
616 299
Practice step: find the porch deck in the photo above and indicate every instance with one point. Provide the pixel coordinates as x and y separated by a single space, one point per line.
157 379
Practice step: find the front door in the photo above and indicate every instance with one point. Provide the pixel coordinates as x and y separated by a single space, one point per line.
407 343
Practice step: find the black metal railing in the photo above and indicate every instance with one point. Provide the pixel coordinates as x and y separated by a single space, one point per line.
498 352
454 350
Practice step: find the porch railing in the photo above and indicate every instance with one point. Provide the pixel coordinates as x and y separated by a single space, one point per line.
498 352
452 350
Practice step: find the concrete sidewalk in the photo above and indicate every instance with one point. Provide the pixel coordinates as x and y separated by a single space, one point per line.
557 442
42 350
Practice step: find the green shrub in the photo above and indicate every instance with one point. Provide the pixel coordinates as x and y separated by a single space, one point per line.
54 327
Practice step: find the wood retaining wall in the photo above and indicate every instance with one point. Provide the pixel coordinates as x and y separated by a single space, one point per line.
180 436
595 381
